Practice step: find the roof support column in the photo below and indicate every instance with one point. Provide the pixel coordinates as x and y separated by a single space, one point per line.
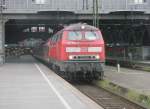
2 42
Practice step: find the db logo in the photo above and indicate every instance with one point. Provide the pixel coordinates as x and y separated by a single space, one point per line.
84 49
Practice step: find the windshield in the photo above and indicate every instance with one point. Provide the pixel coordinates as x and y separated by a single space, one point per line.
79 35
74 35
90 35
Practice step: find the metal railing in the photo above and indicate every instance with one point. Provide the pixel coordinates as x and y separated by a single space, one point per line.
86 6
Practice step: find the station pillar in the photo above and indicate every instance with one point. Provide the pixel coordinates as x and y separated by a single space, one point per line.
2 42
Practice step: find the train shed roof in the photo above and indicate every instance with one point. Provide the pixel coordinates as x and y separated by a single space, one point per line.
80 26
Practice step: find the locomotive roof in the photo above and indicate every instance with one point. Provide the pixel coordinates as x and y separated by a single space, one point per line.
77 27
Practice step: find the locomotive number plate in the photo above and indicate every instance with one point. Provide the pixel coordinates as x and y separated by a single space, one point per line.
84 49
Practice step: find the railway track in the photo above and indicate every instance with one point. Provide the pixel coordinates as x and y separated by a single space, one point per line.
104 98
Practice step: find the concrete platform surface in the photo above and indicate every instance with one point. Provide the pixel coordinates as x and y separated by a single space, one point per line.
27 84
131 79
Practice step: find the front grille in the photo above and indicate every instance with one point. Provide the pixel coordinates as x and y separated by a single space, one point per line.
84 57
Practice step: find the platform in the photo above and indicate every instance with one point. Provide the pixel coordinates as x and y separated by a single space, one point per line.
127 60
132 79
28 84
131 84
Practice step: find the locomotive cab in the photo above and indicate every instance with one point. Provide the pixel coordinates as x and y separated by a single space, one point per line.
84 46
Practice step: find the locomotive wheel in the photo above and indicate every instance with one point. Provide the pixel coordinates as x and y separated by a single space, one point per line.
89 77
79 76
74 76
70 76
101 76
98 75
50 65
63 74
53 67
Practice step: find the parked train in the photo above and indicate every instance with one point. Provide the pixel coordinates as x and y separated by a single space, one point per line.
76 52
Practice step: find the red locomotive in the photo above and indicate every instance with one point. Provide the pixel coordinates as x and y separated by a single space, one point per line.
77 51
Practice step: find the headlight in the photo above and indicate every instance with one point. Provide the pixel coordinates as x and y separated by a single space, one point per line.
73 49
70 57
97 57
94 49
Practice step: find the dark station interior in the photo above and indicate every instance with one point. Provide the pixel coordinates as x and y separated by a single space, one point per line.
124 32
